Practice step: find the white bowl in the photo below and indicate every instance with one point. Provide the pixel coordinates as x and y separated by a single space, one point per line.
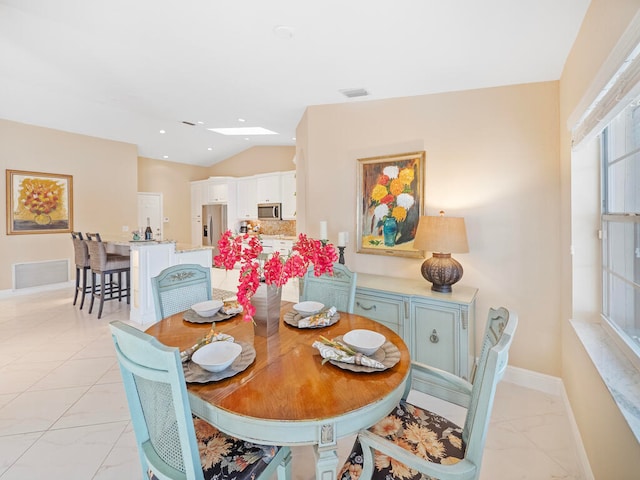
366 342
216 356
308 308
208 308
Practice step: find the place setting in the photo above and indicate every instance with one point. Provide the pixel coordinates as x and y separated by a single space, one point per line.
211 311
360 350
215 357
311 314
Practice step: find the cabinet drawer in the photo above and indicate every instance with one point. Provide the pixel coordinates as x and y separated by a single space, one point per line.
388 311
435 339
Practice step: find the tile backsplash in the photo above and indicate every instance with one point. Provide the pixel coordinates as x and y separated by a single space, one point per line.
274 227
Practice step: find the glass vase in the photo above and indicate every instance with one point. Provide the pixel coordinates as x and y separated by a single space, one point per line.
389 231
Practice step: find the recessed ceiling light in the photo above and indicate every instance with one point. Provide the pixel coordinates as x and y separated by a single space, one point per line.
165 156
163 131
209 148
200 123
241 120
243 131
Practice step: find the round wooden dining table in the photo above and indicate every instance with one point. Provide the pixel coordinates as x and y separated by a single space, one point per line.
287 396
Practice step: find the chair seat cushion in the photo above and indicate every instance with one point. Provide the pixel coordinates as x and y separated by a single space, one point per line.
423 433
223 456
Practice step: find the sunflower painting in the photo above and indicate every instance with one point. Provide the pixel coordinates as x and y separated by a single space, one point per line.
38 203
390 203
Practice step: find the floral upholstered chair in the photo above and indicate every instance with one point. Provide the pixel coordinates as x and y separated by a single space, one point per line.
172 443
412 443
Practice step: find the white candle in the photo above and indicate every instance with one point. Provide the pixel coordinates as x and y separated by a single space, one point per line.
323 230
342 239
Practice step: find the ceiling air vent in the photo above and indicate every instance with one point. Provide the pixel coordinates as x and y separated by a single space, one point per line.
191 124
354 92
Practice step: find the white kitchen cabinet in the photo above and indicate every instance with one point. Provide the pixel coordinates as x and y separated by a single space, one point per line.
288 197
198 198
439 328
283 246
268 188
217 191
246 198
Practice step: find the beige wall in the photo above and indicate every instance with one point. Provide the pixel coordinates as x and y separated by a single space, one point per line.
104 188
255 160
612 449
491 157
173 181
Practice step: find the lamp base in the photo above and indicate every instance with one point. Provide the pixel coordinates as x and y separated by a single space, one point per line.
442 271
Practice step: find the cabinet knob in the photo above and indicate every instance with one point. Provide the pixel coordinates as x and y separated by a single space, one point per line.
372 307
434 336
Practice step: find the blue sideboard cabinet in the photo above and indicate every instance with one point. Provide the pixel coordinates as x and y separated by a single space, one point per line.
439 328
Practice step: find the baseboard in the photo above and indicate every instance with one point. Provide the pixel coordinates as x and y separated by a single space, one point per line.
537 381
42 288
553 386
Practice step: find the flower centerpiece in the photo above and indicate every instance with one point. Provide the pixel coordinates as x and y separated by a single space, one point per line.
273 269
392 198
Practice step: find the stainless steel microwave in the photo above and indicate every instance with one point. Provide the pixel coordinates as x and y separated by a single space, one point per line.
270 211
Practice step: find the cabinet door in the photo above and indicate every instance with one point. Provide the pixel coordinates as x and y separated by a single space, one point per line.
196 199
289 196
246 199
386 309
435 336
268 188
196 231
217 192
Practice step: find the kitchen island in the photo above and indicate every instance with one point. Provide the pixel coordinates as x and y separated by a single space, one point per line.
148 259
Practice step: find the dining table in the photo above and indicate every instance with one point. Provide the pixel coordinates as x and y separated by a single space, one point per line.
288 395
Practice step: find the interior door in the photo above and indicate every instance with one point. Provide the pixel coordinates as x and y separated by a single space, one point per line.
150 206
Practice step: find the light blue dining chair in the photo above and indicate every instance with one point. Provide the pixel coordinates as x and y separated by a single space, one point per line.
172 443
412 443
337 290
178 287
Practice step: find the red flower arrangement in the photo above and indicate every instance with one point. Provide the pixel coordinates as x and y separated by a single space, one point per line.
273 269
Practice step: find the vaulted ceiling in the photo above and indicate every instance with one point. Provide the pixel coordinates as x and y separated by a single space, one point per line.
127 70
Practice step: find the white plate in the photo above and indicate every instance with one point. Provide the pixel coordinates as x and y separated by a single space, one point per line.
308 308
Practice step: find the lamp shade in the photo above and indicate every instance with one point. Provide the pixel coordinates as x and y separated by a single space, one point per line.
441 235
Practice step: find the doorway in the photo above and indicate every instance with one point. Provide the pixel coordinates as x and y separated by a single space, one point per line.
150 207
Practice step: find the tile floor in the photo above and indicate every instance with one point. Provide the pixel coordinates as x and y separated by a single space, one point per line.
63 413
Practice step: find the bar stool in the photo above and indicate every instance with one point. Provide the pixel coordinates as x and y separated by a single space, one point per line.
106 266
81 253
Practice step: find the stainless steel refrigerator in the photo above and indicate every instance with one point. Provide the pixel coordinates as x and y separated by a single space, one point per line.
214 224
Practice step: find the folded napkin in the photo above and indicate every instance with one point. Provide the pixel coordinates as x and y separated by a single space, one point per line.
215 337
318 320
331 353
231 307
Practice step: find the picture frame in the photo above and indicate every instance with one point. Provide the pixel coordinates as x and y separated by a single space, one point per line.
390 203
39 202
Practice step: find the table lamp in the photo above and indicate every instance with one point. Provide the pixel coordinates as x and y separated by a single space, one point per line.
442 236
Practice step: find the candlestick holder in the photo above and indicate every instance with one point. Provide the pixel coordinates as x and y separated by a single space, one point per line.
324 242
341 259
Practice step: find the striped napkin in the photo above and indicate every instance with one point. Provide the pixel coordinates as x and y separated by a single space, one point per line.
331 353
318 320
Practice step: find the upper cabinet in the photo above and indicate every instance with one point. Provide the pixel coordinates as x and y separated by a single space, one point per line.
268 188
217 191
288 197
247 203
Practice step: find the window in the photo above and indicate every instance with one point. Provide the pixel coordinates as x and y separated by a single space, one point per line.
621 224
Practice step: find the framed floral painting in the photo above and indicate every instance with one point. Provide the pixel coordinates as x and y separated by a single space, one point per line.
39 203
390 203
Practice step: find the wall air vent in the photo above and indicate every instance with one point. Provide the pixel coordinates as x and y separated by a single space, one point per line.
354 92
